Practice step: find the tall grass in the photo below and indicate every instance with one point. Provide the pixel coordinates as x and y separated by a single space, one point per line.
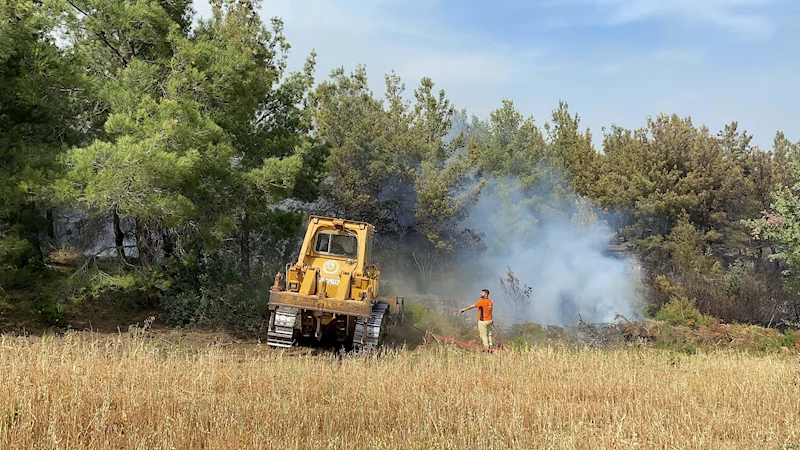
94 392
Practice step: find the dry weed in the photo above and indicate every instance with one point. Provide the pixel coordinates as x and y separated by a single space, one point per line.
94 392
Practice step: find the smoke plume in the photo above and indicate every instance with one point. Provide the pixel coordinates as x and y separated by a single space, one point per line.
557 244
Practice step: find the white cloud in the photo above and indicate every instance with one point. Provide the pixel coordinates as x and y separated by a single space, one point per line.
392 35
724 14
743 18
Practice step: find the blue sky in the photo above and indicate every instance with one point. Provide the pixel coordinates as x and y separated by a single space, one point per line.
613 61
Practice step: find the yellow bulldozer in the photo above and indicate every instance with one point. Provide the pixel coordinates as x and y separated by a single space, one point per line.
332 291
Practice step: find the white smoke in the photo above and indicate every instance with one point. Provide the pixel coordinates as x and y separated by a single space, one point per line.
557 244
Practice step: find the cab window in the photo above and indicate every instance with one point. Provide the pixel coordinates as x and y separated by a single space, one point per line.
336 244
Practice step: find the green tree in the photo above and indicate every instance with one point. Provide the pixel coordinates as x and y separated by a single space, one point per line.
155 137
190 140
532 174
569 155
356 133
667 169
106 36
444 189
684 196
510 146
39 119
261 108
496 154
781 224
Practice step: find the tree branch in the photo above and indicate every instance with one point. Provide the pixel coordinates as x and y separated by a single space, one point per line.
102 34
263 117
76 7
108 44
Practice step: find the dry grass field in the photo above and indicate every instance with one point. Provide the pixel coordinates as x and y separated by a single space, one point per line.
87 390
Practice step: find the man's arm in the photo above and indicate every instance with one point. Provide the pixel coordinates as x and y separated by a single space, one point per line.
468 308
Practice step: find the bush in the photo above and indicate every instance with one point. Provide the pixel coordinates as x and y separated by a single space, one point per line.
235 309
528 333
51 310
744 293
207 290
13 278
678 338
415 313
435 314
790 338
519 344
682 311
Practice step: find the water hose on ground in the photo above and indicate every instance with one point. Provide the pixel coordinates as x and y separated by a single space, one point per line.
463 343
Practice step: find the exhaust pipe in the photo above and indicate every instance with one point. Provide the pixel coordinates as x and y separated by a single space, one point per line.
318 333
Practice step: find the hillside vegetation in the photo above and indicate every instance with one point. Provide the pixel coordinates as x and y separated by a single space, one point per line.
175 160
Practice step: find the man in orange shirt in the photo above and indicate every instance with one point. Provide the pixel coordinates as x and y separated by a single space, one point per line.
484 306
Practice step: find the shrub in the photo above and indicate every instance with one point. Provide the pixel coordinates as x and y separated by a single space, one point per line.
239 311
416 313
682 311
528 333
437 315
52 311
790 338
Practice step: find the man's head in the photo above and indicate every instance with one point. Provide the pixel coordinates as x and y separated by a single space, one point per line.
484 293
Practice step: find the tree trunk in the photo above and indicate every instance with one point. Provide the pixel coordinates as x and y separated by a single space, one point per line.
36 259
119 236
244 245
51 226
31 230
169 243
144 244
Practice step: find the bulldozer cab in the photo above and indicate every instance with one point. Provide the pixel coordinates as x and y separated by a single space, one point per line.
335 260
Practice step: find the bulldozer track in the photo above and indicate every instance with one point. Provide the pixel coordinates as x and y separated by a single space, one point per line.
368 332
281 334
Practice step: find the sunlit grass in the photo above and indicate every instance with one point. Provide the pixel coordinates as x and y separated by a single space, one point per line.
116 392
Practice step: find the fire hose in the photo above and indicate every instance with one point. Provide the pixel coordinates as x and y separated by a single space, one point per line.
427 333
